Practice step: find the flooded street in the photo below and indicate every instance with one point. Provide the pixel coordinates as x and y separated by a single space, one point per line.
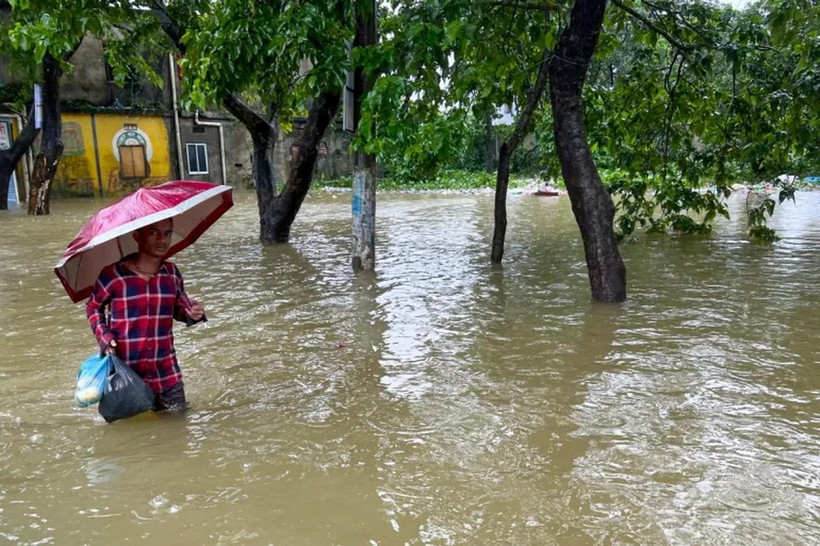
439 401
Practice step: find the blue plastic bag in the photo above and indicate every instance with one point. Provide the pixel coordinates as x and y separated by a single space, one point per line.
91 380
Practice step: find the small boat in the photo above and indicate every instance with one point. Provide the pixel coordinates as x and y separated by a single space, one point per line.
547 192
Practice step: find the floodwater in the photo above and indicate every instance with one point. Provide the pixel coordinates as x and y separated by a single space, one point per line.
439 401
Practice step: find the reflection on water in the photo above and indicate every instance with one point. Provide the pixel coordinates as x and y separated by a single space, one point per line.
439 401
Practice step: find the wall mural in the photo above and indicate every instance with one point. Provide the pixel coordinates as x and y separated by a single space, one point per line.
74 172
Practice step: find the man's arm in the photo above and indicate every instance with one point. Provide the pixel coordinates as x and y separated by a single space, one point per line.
187 310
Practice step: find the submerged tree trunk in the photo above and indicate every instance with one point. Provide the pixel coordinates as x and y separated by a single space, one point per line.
51 142
502 182
304 152
278 211
592 205
264 134
509 146
11 157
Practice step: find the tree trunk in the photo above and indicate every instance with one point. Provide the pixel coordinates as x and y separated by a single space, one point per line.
51 143
592 205
489 144
502 180
11 157
279 216
264 134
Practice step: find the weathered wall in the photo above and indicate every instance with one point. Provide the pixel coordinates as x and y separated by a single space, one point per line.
85 172
77 171
334 159
87 80
9 131
111 133
91 81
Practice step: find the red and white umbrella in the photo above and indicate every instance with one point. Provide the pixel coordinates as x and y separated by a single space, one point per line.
106 237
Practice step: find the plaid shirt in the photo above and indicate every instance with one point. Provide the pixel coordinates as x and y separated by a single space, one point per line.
139 313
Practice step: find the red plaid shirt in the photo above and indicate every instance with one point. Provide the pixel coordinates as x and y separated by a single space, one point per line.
139 313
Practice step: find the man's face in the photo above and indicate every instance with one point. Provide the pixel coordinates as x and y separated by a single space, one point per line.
155 240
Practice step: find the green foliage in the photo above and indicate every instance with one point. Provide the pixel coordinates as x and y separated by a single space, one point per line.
282 53
445 180
413 152
726 98
40 26
12 93
453 180
138 51
443 66
760 206
662 206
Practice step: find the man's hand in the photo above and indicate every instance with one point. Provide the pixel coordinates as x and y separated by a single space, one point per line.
111 349
196 311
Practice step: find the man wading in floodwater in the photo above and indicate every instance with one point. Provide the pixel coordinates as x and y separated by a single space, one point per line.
132 309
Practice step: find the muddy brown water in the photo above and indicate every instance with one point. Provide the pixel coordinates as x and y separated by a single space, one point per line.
438 401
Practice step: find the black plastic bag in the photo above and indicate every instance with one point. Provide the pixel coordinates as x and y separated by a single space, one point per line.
125 393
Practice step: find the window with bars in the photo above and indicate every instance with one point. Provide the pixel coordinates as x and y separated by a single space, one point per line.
197 158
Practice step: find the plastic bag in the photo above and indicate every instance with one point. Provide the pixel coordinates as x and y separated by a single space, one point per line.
125 393
91 380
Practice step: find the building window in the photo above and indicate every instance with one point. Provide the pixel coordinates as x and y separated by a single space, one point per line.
197 158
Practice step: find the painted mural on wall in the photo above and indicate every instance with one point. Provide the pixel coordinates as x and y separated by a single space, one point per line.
74 170
111 154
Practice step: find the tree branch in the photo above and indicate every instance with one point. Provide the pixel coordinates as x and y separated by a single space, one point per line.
521 5
533 98
652 26
168 25
23 141
249 117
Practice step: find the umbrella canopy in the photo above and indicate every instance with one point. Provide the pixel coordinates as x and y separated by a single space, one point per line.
106 237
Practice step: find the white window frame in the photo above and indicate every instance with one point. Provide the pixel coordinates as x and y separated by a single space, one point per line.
194 146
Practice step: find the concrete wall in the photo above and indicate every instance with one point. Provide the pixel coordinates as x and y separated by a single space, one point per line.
87 80
334 161
92 81
92 162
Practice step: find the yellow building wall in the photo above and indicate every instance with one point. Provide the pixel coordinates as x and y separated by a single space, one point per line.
153 130
77 173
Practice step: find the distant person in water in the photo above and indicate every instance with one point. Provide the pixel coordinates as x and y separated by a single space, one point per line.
132 309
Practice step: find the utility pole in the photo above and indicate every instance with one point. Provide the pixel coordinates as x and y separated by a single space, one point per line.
364 176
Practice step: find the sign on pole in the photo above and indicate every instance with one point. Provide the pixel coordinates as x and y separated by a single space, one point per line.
38 106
